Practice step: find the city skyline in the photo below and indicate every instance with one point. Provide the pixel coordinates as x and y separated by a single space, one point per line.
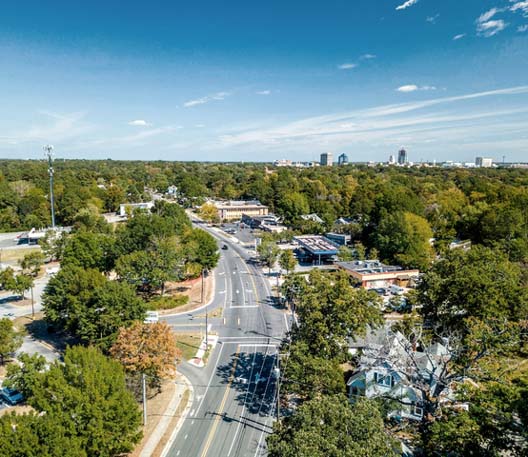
243 82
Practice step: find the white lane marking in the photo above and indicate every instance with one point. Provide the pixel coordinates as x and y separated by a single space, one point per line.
210 380
185 437
192 422
244 306
222 292
259 345
178 453
286 322
222 273
244 406
192 412
237 291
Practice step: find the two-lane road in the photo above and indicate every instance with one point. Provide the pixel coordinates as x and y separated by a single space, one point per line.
234 399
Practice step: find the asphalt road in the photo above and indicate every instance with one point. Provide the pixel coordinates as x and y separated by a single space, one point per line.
234 395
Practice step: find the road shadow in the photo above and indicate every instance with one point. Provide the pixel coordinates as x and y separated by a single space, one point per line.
252 376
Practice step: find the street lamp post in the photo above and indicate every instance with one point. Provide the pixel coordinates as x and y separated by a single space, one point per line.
206 314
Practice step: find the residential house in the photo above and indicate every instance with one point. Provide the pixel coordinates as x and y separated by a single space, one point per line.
390 367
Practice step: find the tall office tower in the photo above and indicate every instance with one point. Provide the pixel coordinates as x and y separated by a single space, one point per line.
342 159
392 159
327 159
483 162
402 156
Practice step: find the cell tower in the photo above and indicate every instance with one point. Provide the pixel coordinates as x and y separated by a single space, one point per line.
48 149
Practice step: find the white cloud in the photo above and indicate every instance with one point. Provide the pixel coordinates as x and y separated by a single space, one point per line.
387 123
459 36
263 92
206 99
406 5
432 19
519 6
414 88
139 123
491 28
487 27
347 66
368 56
485 17
522 28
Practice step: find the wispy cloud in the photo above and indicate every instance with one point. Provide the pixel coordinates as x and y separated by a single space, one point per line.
347 66
263 92
139 123
491 28
459 36
206 99
389 122
487 26
519 6
406 5
522 28
368 56
432 19
414 88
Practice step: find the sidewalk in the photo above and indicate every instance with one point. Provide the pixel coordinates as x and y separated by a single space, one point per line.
156 437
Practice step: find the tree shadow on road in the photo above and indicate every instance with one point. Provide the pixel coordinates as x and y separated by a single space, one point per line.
251 375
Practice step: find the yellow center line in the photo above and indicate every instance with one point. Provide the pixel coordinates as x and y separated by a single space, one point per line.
220 410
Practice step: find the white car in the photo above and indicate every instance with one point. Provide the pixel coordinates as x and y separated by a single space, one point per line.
152 317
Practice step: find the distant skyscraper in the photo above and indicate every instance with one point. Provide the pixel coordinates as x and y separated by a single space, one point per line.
342 160
327 159
402 157
392 160
483 162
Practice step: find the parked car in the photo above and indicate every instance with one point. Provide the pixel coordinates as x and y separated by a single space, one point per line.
397 290
11 397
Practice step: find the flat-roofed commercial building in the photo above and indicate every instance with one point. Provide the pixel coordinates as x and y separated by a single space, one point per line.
319 248
373 274
232 210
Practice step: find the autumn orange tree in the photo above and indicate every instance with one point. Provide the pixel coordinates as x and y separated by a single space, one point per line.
147 349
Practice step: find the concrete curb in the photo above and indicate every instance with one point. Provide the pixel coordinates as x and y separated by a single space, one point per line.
183 416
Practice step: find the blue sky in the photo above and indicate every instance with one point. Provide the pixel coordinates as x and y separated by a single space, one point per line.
258 81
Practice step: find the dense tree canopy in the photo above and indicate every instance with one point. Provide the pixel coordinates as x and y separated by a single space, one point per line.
84 399
331 427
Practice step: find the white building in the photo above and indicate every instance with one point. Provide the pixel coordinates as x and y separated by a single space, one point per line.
483 162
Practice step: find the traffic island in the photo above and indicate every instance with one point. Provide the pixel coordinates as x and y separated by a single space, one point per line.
202 355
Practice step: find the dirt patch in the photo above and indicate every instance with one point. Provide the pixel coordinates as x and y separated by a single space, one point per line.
156 406
188 343
193 290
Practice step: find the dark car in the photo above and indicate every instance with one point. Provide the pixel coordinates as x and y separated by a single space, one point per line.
11 397
225 247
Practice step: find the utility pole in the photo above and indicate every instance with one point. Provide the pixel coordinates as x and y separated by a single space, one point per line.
206 318
32 305
49 152
144 386
278 386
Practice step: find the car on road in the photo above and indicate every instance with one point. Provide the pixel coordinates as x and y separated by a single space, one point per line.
225 247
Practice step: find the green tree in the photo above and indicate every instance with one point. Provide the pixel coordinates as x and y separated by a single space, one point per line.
330 427
10 339
20 284
33 435
201 248
86 396
330 311
287 261
268 252
404 238
89 250
307 375
89 306
32 262
481 283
